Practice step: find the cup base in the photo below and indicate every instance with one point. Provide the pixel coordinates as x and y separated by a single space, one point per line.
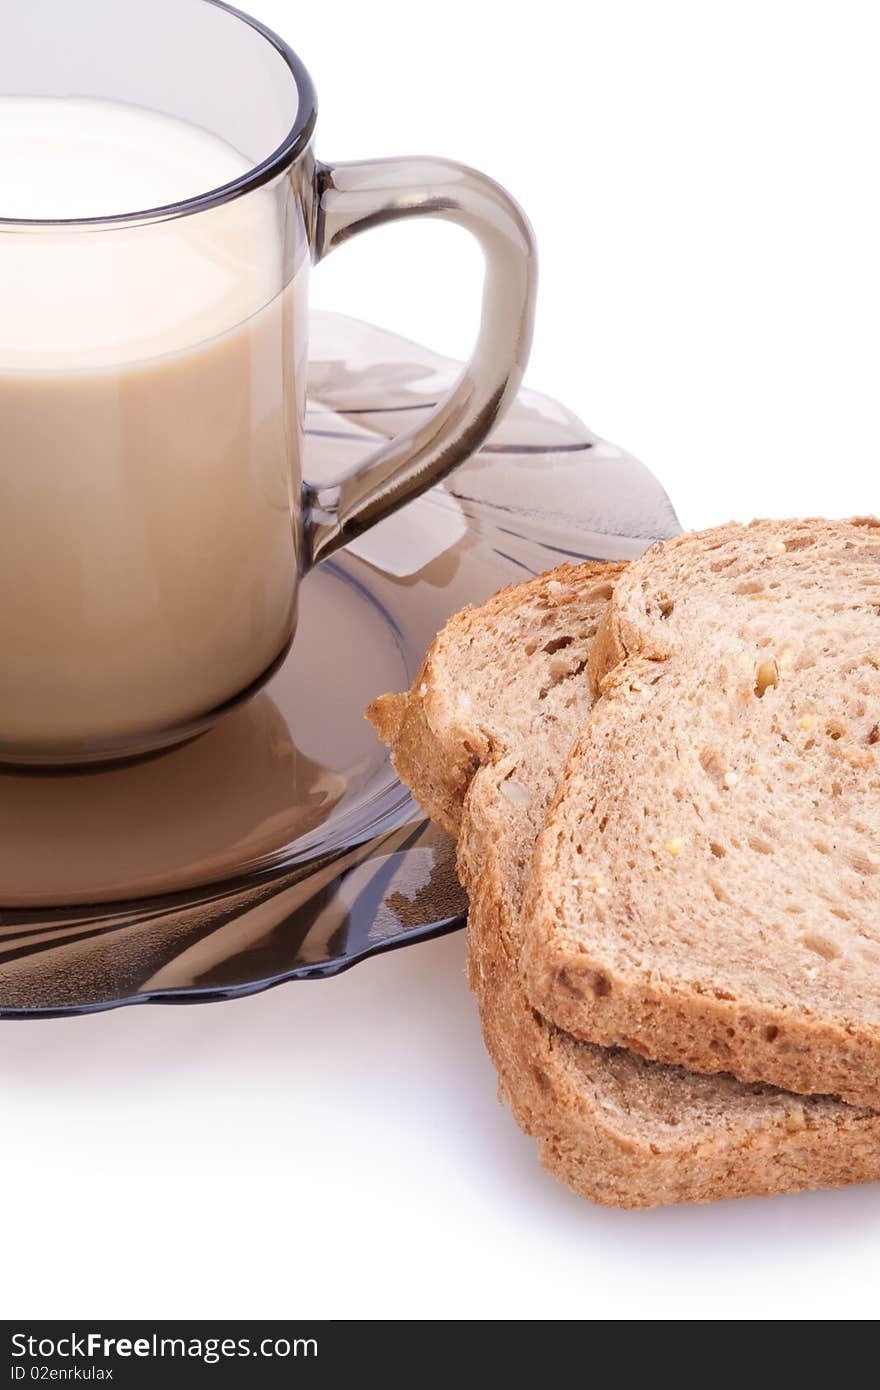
130 748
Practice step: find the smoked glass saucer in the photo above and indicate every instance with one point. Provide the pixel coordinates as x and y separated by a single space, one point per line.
280 845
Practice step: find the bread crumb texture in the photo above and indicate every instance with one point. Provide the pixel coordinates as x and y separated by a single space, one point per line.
733 807
615 1128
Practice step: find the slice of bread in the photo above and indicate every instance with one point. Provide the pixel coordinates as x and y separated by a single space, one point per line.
480 738
707 888
486 676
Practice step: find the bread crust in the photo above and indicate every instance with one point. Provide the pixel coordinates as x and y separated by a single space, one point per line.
702 1033
437 783
576 983
542 1072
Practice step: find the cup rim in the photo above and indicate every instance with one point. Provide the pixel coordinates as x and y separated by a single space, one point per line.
282 157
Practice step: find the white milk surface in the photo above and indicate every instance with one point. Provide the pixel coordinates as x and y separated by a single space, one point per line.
73 297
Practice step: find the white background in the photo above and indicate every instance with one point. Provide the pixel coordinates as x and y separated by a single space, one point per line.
703 182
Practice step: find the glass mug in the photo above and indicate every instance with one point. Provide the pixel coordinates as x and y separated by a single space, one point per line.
156 230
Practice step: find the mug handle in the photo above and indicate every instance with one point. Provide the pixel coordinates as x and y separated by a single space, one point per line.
354 196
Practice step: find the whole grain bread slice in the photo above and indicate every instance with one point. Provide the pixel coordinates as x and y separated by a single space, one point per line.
481 738
707 887
486 678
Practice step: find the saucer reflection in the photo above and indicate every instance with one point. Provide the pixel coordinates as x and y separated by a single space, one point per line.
192 816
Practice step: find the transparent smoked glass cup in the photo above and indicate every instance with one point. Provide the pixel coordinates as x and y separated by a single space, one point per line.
154 521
